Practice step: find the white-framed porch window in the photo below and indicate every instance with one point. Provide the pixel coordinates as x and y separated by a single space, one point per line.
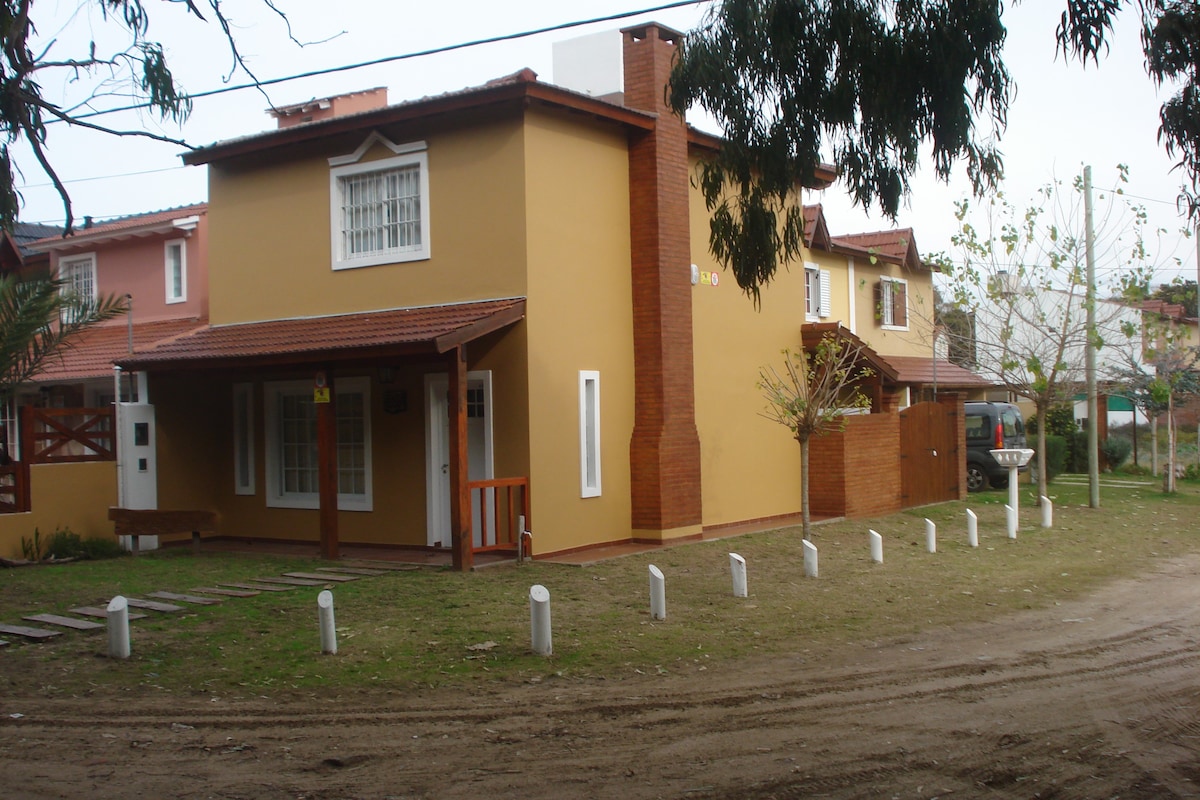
817 292
290 421
243 438
589 433
892 297
379 210
175 270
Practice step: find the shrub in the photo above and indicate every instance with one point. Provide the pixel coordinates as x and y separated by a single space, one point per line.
1116 450
1191 472
1135 469
1060 422
66 544
1056 455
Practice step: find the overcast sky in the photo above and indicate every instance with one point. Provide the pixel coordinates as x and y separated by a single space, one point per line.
1063 116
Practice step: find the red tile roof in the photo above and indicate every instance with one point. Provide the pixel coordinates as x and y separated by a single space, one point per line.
918 370
897 246
121 226
401 331
92 354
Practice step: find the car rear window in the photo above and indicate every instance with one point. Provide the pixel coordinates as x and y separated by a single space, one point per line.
1012 423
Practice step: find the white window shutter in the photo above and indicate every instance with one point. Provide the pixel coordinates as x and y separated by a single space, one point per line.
826 308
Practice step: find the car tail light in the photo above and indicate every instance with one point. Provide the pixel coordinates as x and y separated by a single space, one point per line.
999 435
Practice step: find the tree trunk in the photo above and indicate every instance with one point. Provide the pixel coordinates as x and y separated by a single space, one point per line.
806 518
1154 443
1169 472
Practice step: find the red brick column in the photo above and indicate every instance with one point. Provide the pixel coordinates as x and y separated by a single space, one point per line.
664 453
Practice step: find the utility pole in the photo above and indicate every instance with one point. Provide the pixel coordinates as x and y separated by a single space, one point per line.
1093 443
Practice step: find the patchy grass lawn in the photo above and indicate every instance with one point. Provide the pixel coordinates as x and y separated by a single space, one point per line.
416 629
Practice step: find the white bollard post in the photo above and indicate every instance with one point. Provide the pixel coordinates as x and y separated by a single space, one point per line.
930 536
876 547
658 594
1014 498
972 528
539 620
1010 517
1047 512
737 568
810 559
118 628
325 620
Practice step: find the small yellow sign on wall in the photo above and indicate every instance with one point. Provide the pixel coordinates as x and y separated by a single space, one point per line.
321 394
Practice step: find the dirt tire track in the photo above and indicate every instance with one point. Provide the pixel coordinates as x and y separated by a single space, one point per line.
1096 698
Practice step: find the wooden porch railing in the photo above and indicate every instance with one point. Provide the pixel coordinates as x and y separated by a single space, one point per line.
501 502
66 435
14 488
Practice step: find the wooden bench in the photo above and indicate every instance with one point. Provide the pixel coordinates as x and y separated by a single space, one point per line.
148 522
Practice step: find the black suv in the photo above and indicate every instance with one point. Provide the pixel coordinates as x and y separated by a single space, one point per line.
990 426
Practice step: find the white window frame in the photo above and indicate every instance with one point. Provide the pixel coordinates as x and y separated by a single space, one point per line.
243 438
589 433
343 167
67 270
886 316
276 496
168 272
818 290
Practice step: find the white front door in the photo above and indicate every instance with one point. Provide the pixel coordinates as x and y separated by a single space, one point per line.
437 452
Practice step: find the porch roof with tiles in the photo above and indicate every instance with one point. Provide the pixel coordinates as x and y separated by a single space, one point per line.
398 332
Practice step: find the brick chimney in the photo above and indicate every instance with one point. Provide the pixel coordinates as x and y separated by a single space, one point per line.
328 107
664 453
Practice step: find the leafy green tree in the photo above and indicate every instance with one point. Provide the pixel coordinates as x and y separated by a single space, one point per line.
866 85
1179 292
811 396
136 69
39 320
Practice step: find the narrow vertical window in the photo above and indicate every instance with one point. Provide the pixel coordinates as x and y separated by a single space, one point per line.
812 291
243 438
589 433
78 276
176 271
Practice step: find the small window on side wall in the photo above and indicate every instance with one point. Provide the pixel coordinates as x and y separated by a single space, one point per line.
891 302
589 433
243 438
175 267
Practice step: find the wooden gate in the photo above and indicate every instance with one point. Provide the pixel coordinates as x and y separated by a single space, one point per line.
929 453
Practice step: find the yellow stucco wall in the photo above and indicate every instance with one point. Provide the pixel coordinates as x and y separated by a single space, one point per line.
73 497
917 340
270 230
579 318
750 466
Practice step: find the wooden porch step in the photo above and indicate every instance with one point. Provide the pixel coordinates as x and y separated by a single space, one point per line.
153 605
317 576
257 587
290 581
367 573
225 592
66 622
186 598
28 633
92 611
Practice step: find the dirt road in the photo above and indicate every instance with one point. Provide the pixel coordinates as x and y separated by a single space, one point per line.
1099 698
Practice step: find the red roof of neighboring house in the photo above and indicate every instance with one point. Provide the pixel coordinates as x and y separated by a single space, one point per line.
92 354
401 331
1169 310
919 371
897 246
121 227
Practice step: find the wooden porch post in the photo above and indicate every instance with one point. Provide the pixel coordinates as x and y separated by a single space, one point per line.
327 473
460 498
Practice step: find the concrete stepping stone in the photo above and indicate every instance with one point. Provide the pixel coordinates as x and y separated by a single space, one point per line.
153 605
3 643
383 565
66 622
290 581
28 633
102 613
258 588
368 573
225 592
317 576
186 598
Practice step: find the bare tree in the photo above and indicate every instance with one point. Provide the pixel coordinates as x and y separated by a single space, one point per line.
1021 275
811 396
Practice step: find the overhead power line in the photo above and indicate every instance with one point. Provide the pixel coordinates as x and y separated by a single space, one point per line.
405 56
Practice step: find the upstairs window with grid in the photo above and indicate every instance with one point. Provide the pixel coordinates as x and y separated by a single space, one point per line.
78 276
380 212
